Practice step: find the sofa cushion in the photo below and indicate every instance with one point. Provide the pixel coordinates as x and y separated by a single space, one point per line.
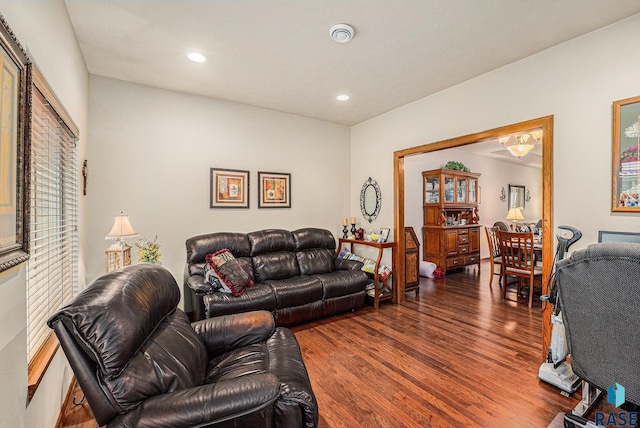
255 298
229 271
296 291
343 282
270 241
309 238
317 260
245 262
278 265
199 246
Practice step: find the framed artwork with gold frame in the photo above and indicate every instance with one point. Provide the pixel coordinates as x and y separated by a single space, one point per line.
15 90
229 188
626 156
274 190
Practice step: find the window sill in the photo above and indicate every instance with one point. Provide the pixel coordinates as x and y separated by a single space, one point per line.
40 363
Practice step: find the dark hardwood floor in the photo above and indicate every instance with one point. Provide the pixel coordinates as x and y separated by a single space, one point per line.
455 355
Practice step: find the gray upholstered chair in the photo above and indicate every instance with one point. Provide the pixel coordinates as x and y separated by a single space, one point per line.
502 225
599 291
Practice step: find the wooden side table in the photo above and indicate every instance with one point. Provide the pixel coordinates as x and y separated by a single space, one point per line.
383 290
116 258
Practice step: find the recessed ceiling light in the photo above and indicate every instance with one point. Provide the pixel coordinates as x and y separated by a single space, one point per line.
343 97
196 57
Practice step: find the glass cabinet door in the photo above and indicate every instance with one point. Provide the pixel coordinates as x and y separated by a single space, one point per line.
432 190
461 190
449 189
473 190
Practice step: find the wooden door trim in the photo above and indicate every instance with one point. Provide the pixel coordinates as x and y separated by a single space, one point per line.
546 124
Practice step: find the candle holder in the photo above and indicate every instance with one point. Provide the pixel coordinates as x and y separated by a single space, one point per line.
353 229
345 231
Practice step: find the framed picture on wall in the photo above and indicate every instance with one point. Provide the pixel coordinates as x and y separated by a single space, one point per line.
626 156
15 81
274 190
229 188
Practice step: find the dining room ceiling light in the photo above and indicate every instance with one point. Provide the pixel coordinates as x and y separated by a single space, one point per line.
343 97
521 144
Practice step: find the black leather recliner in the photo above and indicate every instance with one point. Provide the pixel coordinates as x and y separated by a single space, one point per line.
140 363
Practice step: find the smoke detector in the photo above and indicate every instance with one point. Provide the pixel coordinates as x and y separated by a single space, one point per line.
341 33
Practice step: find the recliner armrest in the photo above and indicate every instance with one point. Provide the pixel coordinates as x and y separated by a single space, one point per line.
227 332
204 405
200 285
342 264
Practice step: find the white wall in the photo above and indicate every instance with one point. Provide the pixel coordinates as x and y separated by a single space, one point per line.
44 29
150 154
576 82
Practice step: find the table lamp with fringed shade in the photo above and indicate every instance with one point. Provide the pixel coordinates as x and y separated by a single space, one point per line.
118 255
514 215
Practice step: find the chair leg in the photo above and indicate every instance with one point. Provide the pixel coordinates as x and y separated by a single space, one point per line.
531 285
492 273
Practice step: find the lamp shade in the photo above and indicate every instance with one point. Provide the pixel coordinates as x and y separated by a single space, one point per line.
514 214
121 228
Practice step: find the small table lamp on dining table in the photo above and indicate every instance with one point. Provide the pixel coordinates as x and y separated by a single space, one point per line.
514 215
118 255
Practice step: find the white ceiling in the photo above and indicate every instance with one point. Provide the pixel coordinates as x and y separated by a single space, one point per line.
277 54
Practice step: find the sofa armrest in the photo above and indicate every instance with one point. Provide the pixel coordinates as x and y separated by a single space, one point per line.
227 332
206 404
342 264
199 285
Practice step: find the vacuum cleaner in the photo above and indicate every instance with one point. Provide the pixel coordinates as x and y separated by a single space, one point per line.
557 370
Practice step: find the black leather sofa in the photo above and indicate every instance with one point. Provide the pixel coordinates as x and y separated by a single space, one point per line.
140 363
297 275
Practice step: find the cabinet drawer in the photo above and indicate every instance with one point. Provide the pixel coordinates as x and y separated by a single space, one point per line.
463 239
464 231
471 260
455 262
463 249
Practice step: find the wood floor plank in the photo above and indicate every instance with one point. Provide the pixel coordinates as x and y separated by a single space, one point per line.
454 355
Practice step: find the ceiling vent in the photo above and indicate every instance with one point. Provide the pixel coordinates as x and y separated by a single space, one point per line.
341 33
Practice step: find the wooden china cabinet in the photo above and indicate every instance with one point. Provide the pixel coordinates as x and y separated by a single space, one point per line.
451 233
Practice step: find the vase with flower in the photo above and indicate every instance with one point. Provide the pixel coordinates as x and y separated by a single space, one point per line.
149 251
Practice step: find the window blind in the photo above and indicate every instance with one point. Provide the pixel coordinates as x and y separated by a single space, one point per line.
52 267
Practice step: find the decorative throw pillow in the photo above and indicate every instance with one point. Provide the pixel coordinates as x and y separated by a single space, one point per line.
212 278
229 271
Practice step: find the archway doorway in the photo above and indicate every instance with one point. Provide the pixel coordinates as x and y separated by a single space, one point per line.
544 123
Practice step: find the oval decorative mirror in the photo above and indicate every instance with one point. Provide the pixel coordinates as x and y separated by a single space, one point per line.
370 199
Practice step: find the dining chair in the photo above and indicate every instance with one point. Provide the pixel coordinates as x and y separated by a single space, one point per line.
519 260
494 253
